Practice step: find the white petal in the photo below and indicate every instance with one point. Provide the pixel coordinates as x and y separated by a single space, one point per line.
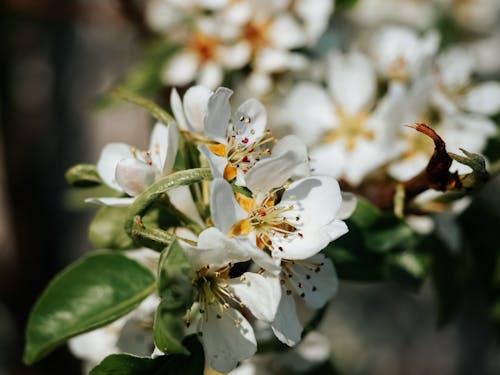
352 81
272 172
348 206
210 75
309 110
329 159
260 257
180 69
293 143
272 60
312 241
483 98
285 32
249 122
95 345
218 115
134 176
195 107
234 56
135 339
286 325
216 250
223 206
217 163
315 280
178 111
182 199
315 14
163 146
261 295
226 343
111 154
114 202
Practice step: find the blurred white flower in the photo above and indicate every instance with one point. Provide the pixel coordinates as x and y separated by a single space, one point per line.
400 53
348 133
474 15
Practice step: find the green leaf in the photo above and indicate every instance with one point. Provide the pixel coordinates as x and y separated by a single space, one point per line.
106 231
176 292
83 175
175 364
95 290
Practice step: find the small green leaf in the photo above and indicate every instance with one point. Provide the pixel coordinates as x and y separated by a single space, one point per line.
176 292
106 231
96 290
174 364
83 175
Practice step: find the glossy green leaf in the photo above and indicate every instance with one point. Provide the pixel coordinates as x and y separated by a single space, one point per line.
95 290
83 175
175 364
106 231
176 292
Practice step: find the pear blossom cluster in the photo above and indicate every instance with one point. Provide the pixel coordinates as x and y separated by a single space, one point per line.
216 37
259 252
392 76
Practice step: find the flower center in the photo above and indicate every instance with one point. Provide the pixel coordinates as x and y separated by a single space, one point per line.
268 221
398 71
350 130
256 34
204 46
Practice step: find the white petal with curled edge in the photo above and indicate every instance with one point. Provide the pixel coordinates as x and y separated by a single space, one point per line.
315 199
272 172
260 294
218 115
114 202
177 109
217 163
348 206
163 146
111 154
483 98
215 250
224 209
228 340
195 107
308 103
315 279
180 69
249 122
312 241
352 81
286 325
134 176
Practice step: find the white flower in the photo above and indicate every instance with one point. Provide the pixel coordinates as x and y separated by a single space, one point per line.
349 137
232 143
399 53
295 226
128 170
226 334
420 14
475 15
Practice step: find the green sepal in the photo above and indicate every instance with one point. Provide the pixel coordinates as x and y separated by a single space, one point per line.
94 291
83 175
124 364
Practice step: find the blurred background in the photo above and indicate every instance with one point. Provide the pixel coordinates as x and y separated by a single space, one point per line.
57 57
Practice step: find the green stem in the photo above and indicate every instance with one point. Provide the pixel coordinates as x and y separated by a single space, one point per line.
152 193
